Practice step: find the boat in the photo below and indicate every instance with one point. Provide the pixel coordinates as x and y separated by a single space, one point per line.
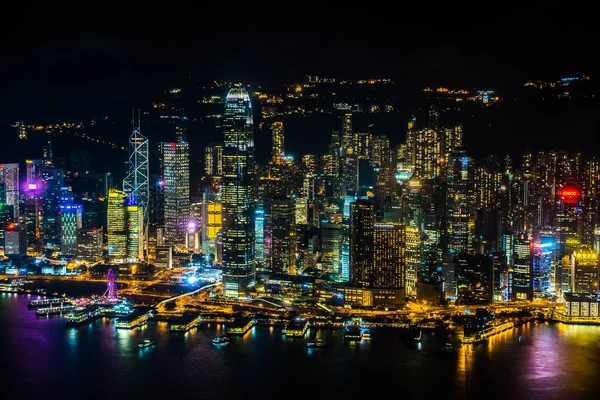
366 333
418 337
146 343
448 348
353 332
315 344
221 339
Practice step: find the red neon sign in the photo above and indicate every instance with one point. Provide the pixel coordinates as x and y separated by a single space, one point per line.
569 194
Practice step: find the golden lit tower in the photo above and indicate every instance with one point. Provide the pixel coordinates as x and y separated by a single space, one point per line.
237 194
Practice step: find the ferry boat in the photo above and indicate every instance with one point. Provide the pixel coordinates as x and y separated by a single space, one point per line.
221 339
315 344
241 325
353 331
187 322
418 337
146 343
366 333
137 318
297 327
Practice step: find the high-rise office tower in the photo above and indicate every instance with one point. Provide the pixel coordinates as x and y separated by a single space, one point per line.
213 160
117 225
309 164
388 255
237 193
278 151
331 245
361 242
70 222
522 288
412 240
459 203
282 231
137 182
89 244
9 176
135 233
349 155
259 234
212 219
33 171
175 168
124 222
50 212
32 210
584 271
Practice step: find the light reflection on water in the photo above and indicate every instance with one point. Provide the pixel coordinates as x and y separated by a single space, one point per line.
551 360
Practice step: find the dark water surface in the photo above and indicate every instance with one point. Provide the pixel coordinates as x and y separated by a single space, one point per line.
43 358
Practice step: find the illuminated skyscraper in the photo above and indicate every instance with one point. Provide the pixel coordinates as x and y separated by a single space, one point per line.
309 163
413 256
349 155
331 246
584 271
282 231
89 244
9 176
361 243
213 160
34 175
460 224
388 255
70 223
135 245
259 234
116 226
278 151
237 193
175 168
210 222
137 182
522 272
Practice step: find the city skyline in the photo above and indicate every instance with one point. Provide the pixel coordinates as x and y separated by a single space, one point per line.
282 204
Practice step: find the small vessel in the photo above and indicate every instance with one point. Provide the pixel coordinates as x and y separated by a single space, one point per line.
221 339
366 333
448 348
315 344
146 343
418 337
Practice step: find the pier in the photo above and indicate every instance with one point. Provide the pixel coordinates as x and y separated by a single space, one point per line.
44 312
297 327
48 302
241 325
185 323
87 314
138 317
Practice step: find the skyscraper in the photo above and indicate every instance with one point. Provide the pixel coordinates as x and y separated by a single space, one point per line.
460 223
388 255
175 168
278 152
70 222
282 228
237 193
137 182
117 225
522 272
9 176
361 242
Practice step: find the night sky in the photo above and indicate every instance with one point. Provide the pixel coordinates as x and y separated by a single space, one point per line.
59 68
